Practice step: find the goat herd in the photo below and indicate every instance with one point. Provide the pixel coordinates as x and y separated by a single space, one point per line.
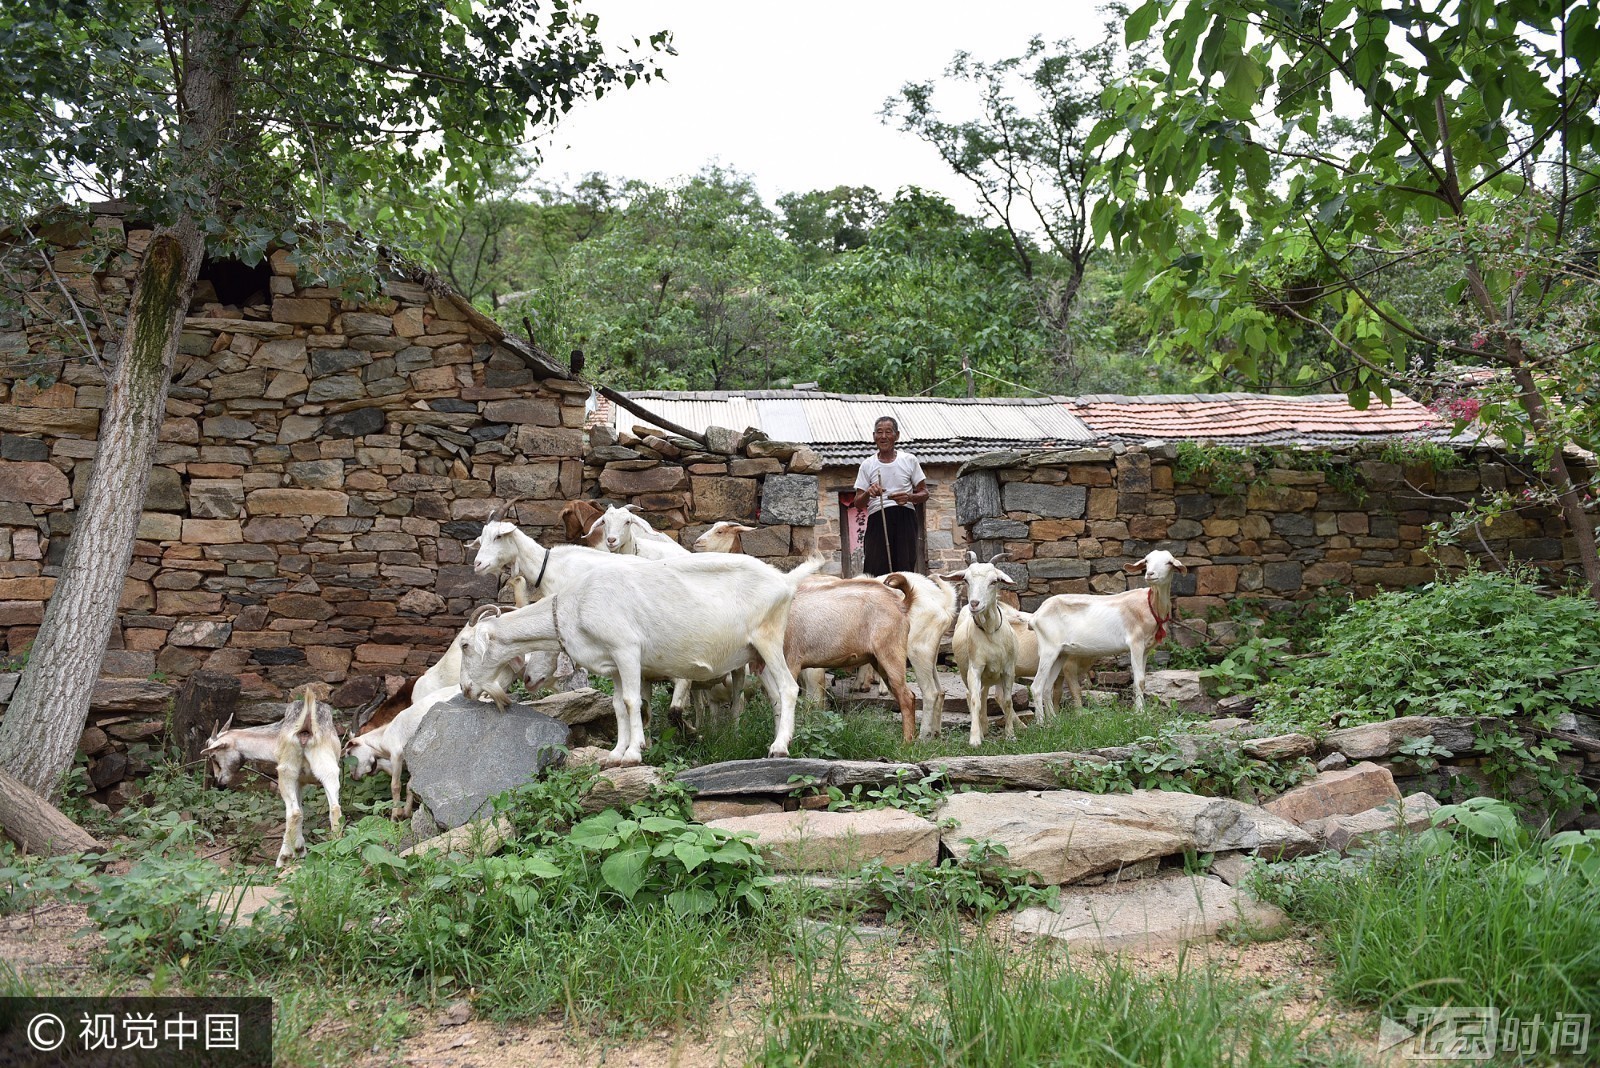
630 603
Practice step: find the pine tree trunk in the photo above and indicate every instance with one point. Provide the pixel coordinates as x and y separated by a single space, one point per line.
41 727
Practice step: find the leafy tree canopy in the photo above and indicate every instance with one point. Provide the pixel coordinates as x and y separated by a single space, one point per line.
1262 213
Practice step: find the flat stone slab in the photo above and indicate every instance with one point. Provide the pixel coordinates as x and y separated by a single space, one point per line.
771 775
620 787
464 752
1150 914
573 707
1021 771
1062 836
1280 746
838 841
786 776
1373 740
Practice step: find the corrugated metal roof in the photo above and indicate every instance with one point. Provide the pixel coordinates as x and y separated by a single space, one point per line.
839 425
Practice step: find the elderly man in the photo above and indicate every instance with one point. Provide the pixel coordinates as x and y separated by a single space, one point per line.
890 485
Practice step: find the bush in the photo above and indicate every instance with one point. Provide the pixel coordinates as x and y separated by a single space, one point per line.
1481 645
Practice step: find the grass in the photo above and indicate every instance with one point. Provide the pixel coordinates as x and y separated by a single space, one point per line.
863 732
983 1003
1408 925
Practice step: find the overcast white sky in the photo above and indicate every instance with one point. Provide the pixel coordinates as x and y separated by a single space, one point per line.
790 93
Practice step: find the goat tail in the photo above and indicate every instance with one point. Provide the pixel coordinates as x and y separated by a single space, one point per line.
306 730
810 566
896 581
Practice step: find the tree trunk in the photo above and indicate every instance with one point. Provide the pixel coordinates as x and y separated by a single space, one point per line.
47 713
1560 478
51 704
37 826
205 703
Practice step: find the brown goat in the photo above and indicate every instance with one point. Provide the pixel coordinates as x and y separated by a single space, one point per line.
844 623
577 517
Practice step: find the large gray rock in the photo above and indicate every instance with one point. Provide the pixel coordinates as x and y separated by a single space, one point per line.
1373 740
789 499
1151 914
977 497
1062 836
465 752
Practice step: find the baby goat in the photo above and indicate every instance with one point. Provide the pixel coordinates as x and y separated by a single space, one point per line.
303 746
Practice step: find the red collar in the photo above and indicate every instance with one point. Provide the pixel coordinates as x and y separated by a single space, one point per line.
1161 624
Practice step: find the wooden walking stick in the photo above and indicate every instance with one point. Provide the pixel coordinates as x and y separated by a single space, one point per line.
883 522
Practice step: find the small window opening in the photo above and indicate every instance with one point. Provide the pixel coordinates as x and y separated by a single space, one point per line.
232 283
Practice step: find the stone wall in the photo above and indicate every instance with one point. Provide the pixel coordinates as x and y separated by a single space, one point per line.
1072 518
682 486
323 460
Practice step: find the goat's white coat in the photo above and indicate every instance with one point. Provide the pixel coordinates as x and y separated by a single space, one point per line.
985 648
696 617
383 748
932 604
630 535
1075 629
304 747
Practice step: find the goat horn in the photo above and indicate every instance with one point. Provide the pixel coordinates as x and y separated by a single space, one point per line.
477 614
631 508
997 557
972 557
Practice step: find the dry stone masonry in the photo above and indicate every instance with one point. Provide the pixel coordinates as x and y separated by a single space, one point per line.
1072 518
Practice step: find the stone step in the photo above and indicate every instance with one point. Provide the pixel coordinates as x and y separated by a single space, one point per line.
1158 913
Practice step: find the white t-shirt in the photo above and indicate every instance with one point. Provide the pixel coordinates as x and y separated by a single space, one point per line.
900 475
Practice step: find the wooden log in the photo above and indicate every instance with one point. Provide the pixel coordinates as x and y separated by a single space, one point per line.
36 825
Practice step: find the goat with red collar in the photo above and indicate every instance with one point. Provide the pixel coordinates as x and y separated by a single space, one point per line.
1076 629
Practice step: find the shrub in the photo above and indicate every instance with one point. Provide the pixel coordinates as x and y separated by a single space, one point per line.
1482 644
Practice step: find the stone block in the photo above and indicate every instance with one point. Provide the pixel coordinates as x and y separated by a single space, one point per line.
535 411
1058 568
303 310
211 532
33 483
838 841
1001 529
1050 502
301 502
1372 741
464 753
977 497
1345 792
790 499
1273 498
659 479
1285 576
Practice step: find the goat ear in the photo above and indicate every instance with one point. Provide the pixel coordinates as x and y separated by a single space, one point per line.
1135 568
955 576
593 526
740 528
1181 566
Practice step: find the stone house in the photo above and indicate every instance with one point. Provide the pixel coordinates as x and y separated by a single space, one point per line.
942 433
323 460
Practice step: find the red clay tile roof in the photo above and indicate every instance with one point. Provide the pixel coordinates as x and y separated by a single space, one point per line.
1254 417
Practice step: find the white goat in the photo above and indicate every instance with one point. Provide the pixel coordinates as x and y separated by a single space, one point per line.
628 534
381 745
1076 629
722 537
932 604
697 617
984 645
303 746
